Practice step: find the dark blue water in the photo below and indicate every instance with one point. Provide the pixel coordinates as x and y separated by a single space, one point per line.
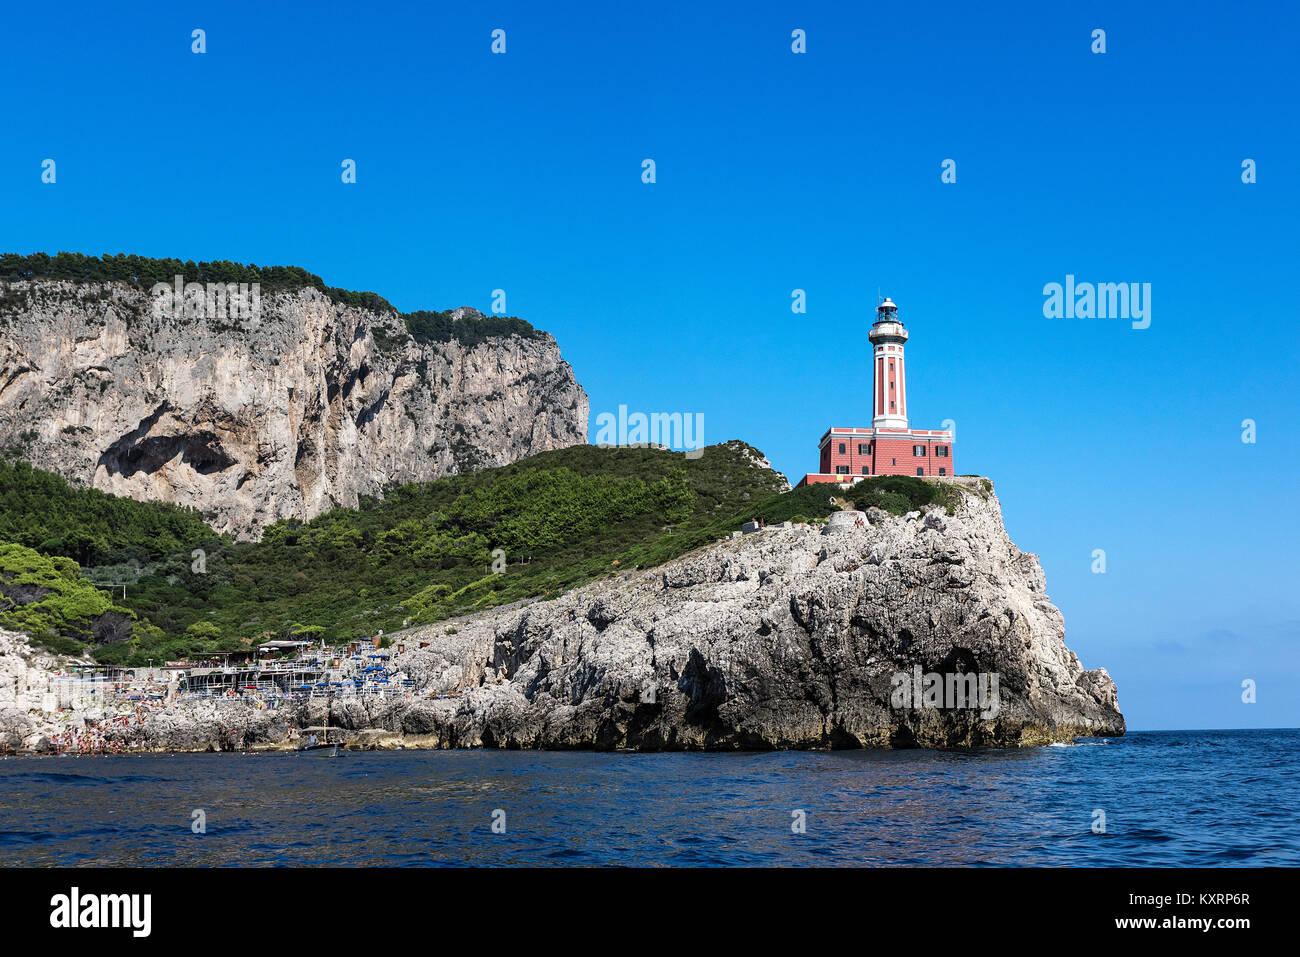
1194 798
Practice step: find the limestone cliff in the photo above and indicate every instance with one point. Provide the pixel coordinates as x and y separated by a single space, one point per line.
786 638
307 405
28 705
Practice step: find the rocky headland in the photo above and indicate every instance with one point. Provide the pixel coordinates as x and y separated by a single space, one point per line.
796 636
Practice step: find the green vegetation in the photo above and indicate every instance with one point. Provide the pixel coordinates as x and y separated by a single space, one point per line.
899 494
42 511
424 553
143 272
46 597
426 326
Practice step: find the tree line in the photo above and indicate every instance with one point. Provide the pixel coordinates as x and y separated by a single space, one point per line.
145 272
425 326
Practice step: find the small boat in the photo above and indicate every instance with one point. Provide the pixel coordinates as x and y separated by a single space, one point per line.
324 747
330 750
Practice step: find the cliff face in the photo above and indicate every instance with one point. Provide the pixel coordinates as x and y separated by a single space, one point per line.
26 679
786 638
309 405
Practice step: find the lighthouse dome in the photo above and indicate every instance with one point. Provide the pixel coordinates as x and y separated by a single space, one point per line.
887 327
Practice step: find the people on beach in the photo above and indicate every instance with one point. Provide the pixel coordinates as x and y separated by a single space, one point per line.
126 703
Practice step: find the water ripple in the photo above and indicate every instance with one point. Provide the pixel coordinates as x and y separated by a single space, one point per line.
1173 798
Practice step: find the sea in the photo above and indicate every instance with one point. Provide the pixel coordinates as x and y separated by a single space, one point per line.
1166 798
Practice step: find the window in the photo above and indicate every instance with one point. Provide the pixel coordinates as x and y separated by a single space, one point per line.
841 470
862 448
864 470
891 405
841 448
893 461
918 451
941 451
942 470
920 471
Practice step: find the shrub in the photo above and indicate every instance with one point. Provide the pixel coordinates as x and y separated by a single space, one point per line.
59 602
204 630
470 330
899 494
143 272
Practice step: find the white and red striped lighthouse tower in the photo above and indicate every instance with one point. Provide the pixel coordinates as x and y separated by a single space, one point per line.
891 446
888 336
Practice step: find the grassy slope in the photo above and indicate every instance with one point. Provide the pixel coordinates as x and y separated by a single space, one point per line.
423 553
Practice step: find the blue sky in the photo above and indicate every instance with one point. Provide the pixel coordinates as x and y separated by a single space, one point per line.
778 171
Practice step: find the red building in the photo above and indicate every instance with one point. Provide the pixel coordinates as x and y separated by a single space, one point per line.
890 446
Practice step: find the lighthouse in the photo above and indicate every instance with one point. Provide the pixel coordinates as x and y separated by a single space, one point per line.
887 337
890 446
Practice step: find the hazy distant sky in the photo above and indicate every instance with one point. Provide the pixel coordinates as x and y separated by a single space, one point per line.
776 172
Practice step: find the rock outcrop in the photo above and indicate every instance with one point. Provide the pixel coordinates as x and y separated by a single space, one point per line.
792 637
28 697
308 405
